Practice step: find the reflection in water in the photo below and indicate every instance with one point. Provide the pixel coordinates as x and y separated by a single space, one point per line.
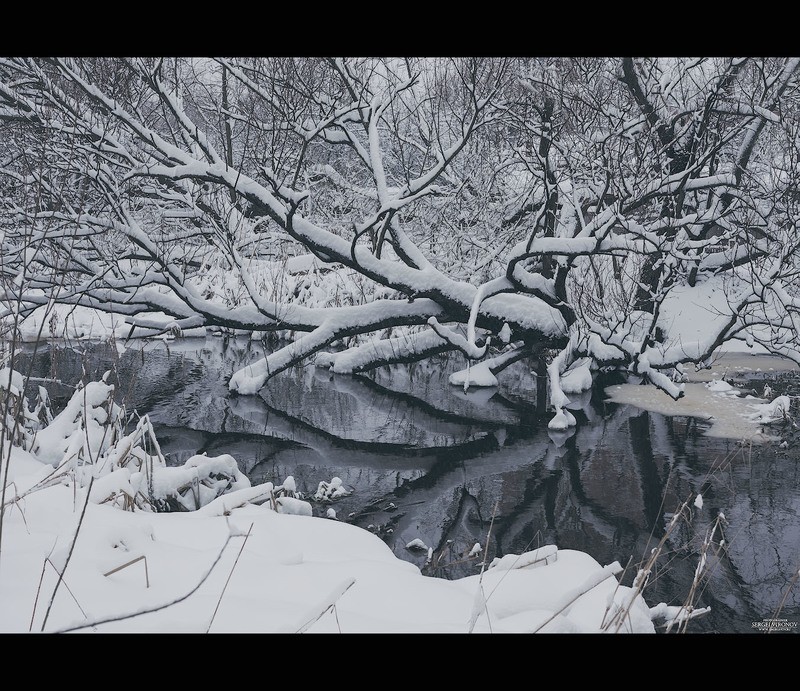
427 461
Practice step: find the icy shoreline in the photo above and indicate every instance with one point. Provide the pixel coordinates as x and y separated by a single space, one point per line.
731 412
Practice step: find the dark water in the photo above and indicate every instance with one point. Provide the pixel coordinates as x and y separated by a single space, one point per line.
426 461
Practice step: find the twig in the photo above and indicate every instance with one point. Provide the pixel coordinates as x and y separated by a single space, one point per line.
130 563
69 554
38 590
148 610
475 613
332 599
219 600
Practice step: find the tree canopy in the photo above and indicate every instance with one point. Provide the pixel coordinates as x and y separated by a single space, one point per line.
554 208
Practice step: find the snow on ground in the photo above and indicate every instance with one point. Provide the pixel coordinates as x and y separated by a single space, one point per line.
231 557
285 571
73 322
775 410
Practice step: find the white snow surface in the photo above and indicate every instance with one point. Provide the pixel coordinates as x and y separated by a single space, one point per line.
578 378
778 409
416 543
76 322
289 566
478 374
720 386
690 314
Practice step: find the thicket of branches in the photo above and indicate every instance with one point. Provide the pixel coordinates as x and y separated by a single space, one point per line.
570 199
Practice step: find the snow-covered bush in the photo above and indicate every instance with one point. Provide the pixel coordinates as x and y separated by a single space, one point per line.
82 433
21 421
776 410
86 444
196 483
328 491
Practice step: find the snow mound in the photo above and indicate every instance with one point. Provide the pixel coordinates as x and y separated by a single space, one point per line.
292 505
476 375
416 543
132 562
537 557
562 420
772 412
719 386
196 483
12 381
80 431
578 378
328 491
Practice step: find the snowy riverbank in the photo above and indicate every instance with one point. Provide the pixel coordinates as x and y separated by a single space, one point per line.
272 571
79 502
269 572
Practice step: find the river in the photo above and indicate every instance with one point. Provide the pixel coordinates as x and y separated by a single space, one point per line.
425 460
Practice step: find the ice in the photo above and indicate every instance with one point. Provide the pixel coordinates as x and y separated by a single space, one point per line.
727 416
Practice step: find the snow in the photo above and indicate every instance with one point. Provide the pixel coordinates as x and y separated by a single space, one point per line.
12 381
778 409
241 558
79 430
690 314
720 386
76 323
562 420
698 501
538 557
416 543
294 506
578 378
328 491
673 614
478 374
